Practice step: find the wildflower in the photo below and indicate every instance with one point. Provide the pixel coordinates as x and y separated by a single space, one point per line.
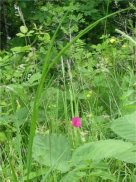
89 115
76 122
124 46
84 135
112 40
89 94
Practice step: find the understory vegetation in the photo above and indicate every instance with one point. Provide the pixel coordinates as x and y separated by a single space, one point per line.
68 91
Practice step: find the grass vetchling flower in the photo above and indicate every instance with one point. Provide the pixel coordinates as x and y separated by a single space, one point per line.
76 122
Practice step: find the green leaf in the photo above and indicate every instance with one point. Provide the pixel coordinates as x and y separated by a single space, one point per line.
46 38
24 29
18 90
30 33
125 127
20 35
53 151
37 173
100 150
20 116
133 178
3 137
73 176
105 175
128 156
34 77
21 49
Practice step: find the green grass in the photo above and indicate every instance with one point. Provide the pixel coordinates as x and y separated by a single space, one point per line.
98 97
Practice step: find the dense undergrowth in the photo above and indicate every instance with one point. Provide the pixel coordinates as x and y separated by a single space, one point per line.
46 80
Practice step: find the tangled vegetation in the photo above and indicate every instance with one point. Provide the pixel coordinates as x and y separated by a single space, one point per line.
68 91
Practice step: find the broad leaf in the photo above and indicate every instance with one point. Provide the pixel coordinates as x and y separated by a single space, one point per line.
125 127
128 156
53 151
99 150
20 117
73 176
105 175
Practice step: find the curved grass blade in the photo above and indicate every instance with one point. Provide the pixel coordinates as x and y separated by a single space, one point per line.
36 101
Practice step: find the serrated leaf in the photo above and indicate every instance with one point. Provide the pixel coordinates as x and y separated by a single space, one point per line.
53 151
125 127
100 150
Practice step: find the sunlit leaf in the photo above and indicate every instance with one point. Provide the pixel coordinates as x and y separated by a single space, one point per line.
100 150
21 49
128 156
24 29
73 176
53 151
34 77
125 127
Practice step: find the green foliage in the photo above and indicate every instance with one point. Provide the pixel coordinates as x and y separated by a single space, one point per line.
73 176
128 156
51 74
35 77
47 14
53 151
99 150
125 127
2 137
23 29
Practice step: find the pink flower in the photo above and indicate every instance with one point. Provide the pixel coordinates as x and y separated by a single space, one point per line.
76 122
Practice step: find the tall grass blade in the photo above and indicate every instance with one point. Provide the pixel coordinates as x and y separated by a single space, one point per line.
36 101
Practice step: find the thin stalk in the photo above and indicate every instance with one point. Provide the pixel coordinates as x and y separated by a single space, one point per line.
13 171
126 36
